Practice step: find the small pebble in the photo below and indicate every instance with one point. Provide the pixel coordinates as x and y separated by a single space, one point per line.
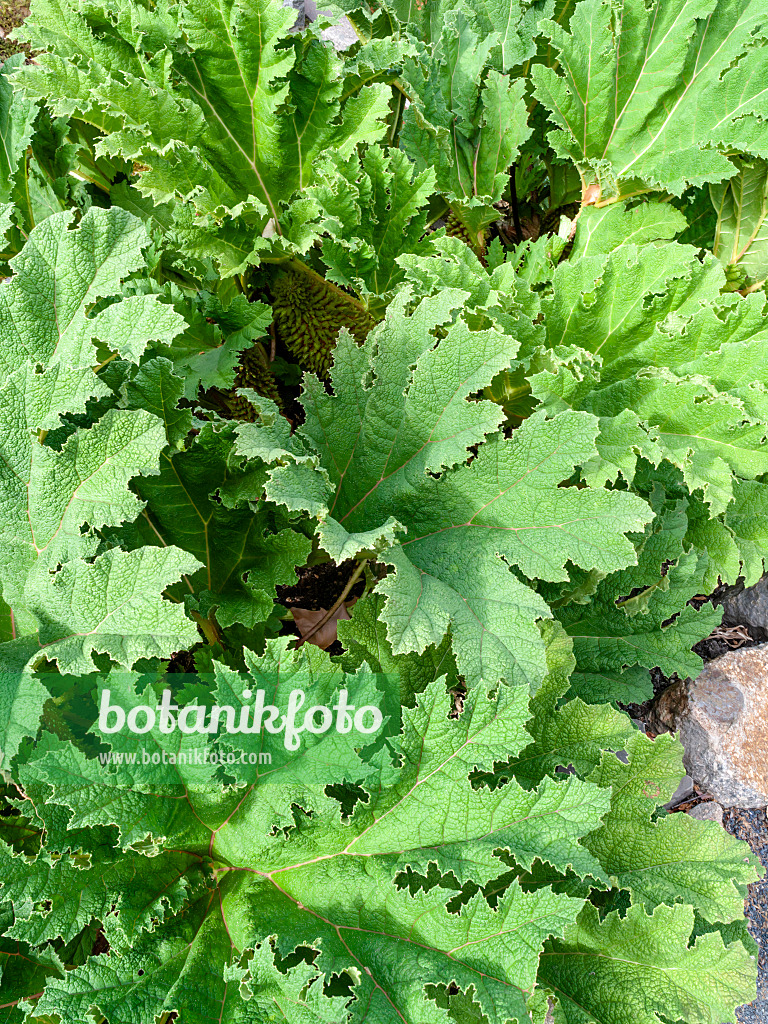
709 811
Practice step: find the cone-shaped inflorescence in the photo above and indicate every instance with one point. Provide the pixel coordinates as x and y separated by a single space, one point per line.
253 373
456 228
309 313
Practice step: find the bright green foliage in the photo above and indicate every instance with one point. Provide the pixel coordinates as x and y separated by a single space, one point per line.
616 299
627 622
374 210
681 374
602 229
641 966
669 860
511 25
238 880
710 436
742 235
365 639
649 95
39 163
468 128
199 503
747 520
209 351
412 478
523 450
574 733
16 117
22 697
465 116
79 267
208 101
72 602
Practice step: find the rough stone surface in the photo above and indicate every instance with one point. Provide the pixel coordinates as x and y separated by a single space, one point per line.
667 707
709 811
341 34
683 791
747 607
298 7
723 725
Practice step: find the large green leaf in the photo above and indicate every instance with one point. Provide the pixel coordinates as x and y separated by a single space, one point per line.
236 125
241 552
365 638
17 114
679 377
374 211
70 599
393 443
612 302
565 735
347 904
146 893
72 270
640 616
649 95
710 436
641 966
331 903
741 239
670 860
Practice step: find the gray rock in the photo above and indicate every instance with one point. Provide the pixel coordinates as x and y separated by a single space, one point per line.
298 6
341 34
723 726
747 607
709 811
683 791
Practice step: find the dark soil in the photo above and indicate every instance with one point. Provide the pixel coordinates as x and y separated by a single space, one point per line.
12 14
712 647
320 585
752 826
183 661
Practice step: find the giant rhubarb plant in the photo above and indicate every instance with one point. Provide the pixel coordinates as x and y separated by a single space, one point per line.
510 472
